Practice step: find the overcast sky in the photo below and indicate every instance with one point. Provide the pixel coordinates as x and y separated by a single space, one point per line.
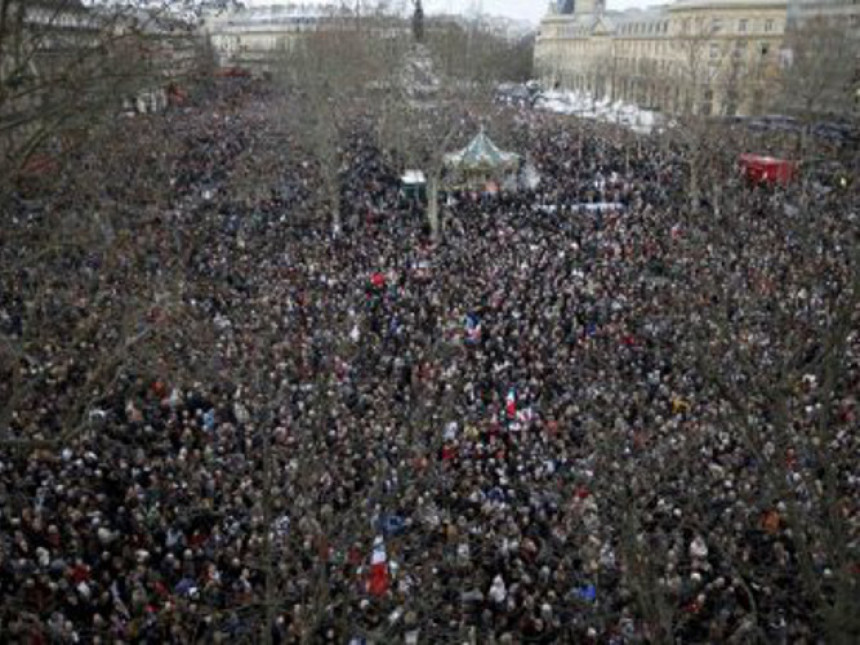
528 10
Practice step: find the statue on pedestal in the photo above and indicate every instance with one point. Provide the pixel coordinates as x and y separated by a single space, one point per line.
565 7
418 22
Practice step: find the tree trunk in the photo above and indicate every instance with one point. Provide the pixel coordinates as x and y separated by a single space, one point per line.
693 187
268 547
433 206
336 226
334 201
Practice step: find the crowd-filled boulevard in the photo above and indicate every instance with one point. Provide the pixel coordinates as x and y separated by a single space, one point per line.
550 423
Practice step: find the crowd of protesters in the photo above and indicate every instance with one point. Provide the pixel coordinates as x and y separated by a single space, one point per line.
547 425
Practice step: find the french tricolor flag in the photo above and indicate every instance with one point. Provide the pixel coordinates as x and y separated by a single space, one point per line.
378 579
526 415
511 403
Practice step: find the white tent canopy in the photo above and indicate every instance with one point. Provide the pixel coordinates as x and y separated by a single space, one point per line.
481 154
413 178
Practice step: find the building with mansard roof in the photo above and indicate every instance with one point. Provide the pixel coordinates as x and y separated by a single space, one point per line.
256 37
688 57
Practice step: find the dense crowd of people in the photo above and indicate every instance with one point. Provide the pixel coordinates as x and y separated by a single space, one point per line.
548 425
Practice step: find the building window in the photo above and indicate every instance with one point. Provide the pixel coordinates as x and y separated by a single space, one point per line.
768 25
764 48
716 25
715 50
742 26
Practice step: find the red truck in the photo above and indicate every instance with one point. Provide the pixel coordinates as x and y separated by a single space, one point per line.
770 170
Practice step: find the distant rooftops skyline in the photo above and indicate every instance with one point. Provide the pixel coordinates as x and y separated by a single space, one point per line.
521 10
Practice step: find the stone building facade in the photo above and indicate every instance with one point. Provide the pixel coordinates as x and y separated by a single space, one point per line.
846 12
709 57
256 37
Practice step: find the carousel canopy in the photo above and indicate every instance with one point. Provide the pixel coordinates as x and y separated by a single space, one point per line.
481 153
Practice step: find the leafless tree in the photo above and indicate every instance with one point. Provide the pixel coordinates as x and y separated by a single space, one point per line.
819 74
698 62
331 76
775 354
92 286
66 65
